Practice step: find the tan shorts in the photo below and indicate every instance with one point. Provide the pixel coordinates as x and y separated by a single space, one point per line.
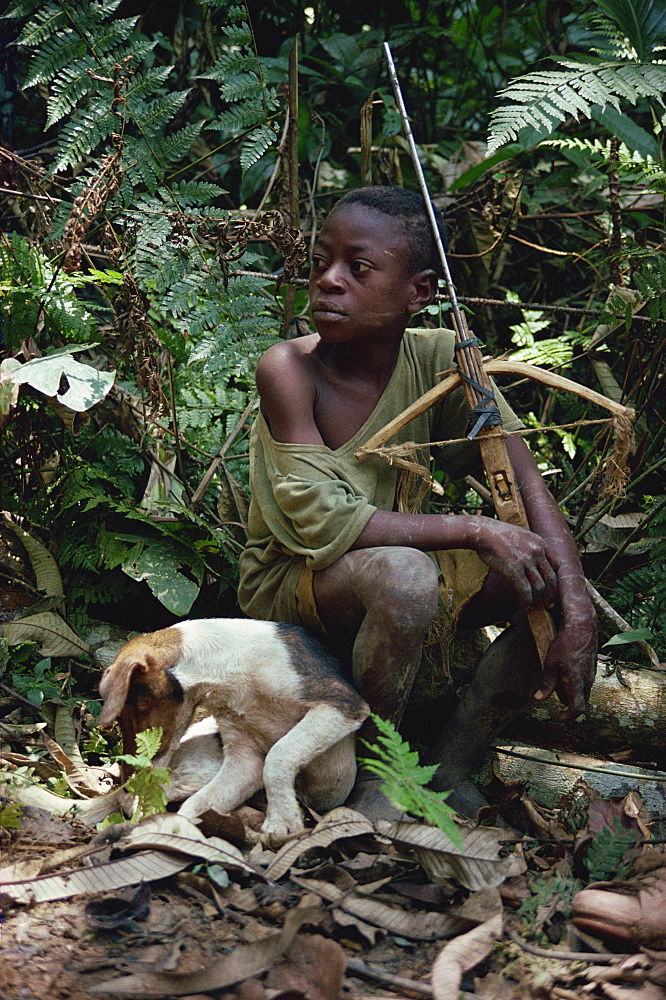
462 576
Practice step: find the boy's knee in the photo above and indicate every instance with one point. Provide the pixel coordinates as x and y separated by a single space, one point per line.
402 585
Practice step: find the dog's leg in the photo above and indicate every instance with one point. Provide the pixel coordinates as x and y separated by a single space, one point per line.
239 777
320 729
329 779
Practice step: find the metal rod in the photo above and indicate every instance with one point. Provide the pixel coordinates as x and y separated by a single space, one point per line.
458 316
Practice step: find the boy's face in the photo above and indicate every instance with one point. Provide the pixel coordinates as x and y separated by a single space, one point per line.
361 285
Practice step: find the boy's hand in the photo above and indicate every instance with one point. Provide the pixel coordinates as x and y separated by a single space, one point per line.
520 556
571 664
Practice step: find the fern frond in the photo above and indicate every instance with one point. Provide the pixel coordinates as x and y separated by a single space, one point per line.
83 134
196 193
231 64
76 81
53 55
153 117
144 84
546 98
256 145
240 119
242 87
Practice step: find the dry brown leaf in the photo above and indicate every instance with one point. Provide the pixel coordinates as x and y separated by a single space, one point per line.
145 867
647 991
475 865
481 906
173 832
417 925
461 955
315 965
336 825
367 931
245 961
82 779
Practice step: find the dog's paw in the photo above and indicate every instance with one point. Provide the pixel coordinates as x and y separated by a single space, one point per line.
277 830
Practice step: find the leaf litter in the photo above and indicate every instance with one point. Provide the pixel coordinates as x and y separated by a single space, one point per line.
347 909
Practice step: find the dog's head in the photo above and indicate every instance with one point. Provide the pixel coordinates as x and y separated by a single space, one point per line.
139 690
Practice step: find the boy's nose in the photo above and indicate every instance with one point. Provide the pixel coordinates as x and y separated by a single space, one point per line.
331 278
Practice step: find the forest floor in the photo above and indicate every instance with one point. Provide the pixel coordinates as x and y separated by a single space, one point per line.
344 911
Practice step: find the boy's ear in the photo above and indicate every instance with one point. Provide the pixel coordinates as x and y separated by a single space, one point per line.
424 290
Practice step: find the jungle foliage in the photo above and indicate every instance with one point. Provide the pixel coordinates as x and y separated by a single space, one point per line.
155 229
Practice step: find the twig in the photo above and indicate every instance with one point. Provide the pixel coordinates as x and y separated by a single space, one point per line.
203 485
355 967
649 775
598 958
28 194
176 433
19 697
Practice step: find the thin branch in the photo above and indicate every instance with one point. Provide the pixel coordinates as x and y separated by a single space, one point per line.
594 957
203 485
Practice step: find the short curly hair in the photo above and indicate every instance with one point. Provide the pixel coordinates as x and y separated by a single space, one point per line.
409 208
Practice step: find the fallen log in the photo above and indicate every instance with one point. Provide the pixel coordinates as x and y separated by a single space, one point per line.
627 712
550 775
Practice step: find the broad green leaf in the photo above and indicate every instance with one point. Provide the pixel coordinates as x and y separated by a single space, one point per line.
159 565
622 126
86 385
635 635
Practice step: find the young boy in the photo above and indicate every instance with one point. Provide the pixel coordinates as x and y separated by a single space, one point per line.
328 547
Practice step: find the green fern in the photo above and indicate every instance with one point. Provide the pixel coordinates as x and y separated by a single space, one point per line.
604 856
626 67
33 291
404 779
546 98
147 783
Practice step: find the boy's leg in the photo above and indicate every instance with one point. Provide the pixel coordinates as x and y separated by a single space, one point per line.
380 601
505 679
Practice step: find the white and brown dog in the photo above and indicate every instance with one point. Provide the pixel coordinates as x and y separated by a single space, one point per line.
285 713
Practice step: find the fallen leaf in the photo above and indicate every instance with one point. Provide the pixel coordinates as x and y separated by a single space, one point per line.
116 911
461 955
145 867
417 925
173 832
315 965
367 931
335 825
245 961
475 865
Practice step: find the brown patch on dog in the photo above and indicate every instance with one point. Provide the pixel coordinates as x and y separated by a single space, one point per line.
320 672
138 690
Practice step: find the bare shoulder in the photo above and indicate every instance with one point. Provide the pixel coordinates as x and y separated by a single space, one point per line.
288 390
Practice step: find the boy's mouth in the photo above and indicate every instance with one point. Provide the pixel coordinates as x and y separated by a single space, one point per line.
324 309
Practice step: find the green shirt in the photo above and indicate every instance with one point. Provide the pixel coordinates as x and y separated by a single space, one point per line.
310 503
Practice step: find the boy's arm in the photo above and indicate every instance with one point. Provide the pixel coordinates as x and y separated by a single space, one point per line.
288 395
542 565
571 662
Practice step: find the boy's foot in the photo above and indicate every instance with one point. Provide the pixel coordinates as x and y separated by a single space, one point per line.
368 798
633 910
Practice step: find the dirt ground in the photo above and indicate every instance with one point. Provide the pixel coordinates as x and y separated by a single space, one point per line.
344 911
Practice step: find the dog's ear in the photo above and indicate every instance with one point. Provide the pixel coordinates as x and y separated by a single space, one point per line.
115 684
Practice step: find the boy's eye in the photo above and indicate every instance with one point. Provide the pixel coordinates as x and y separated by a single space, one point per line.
317 262
359 266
